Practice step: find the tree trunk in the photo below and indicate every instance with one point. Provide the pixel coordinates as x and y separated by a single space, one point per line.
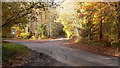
100 25
89 35
118 30
100 29
118 21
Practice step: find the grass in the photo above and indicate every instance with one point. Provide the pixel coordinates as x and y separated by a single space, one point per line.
11 50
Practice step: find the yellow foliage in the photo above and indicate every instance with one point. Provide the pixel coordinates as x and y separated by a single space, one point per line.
95 22
23 35
113 39
33 37
43 36
103 21
96 14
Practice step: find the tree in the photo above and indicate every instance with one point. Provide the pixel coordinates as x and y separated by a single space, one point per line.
38 15
96 21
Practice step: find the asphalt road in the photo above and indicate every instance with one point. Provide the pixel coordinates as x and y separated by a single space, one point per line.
72 57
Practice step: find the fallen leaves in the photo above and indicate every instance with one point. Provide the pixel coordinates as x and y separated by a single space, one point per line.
20 59
112 51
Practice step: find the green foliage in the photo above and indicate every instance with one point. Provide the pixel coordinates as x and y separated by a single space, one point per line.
33 19
89 20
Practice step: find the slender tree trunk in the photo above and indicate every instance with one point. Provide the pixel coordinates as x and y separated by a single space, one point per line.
41 22
77 32
47 33
50 29
118 27
118 10
89 35
119 30
37 35
100 29
100 24
118 20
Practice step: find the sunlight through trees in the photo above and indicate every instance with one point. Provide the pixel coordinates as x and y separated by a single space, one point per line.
88 21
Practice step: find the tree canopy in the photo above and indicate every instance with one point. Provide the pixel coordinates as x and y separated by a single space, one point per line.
89 21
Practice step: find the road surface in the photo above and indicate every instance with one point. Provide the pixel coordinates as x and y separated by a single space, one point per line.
72 57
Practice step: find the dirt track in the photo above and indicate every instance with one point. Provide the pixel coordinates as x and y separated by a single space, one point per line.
72 57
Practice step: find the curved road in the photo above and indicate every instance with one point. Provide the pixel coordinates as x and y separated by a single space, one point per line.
72 57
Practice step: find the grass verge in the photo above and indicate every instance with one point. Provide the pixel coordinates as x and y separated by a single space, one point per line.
11 50
14 54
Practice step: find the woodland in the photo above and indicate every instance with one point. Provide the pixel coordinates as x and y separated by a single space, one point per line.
83 21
